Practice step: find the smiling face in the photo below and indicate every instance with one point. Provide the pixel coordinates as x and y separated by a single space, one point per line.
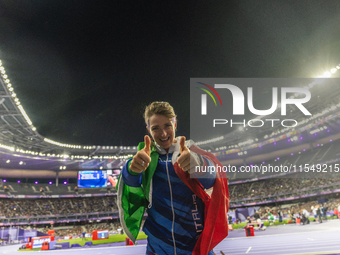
162 129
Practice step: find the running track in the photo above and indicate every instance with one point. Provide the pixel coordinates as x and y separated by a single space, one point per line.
288 239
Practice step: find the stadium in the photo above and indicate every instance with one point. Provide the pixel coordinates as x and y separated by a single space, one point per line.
283 176
70 189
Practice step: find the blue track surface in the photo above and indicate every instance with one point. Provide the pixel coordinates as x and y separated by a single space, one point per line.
287 239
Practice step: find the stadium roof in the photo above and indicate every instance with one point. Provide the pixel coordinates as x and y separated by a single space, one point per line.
17 132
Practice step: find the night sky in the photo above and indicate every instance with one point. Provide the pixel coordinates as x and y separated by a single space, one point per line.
85 70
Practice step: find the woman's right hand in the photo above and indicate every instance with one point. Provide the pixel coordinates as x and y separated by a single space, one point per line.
141 160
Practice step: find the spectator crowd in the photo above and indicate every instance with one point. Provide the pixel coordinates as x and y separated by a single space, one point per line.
10 208
283 187
319 212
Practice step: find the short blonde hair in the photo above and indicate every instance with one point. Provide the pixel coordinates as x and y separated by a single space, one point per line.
161 108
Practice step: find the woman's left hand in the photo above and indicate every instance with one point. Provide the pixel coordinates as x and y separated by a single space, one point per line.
186 161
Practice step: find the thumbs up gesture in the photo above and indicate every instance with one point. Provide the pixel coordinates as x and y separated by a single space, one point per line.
186 161
141 160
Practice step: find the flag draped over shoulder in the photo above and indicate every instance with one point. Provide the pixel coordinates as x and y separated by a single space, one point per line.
216 207
132 201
